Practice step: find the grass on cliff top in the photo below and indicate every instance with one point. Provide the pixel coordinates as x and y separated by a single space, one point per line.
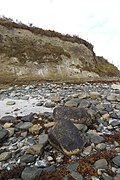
10 24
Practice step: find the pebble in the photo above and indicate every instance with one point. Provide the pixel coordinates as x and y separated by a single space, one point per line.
101 164
87 150
76 175
72 166
72 103
41 163
39 103
56 98
50 169
10 103
5 156
101 146
27 158
43 138
96 139
11 131
50 158
31 173
7 125
35 129
25 125
49 104
10 118
116 160
107 177
28 118
35 149
94 178
49 124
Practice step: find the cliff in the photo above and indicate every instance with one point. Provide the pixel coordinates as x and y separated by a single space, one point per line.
30 53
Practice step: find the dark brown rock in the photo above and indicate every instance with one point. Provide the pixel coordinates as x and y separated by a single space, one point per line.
9 118
64 135
3 134
76 115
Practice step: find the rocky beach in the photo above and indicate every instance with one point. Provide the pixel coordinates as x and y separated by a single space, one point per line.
59 107
35 141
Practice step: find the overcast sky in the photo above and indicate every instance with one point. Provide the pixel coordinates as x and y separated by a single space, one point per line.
97 21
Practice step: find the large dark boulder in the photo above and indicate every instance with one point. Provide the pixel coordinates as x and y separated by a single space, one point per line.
64 135
3 134
77 115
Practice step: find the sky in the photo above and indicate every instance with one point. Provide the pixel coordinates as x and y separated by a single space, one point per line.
97 21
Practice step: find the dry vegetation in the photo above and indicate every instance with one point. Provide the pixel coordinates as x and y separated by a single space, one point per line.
102 67
29 50
10 24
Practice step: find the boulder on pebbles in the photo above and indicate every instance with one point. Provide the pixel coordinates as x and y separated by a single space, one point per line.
64 135
77 115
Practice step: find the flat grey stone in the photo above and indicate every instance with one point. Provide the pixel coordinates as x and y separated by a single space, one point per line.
25 125
76 175
50 169
72 103
84 103
111 97
113 115
96 139
101 164
105 176
24 97
4 156
5 119
116 160
31 173
65 178
27 158
43 138
72 166
115 123
28 118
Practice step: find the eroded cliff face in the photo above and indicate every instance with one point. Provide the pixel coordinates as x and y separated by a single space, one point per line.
29 55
